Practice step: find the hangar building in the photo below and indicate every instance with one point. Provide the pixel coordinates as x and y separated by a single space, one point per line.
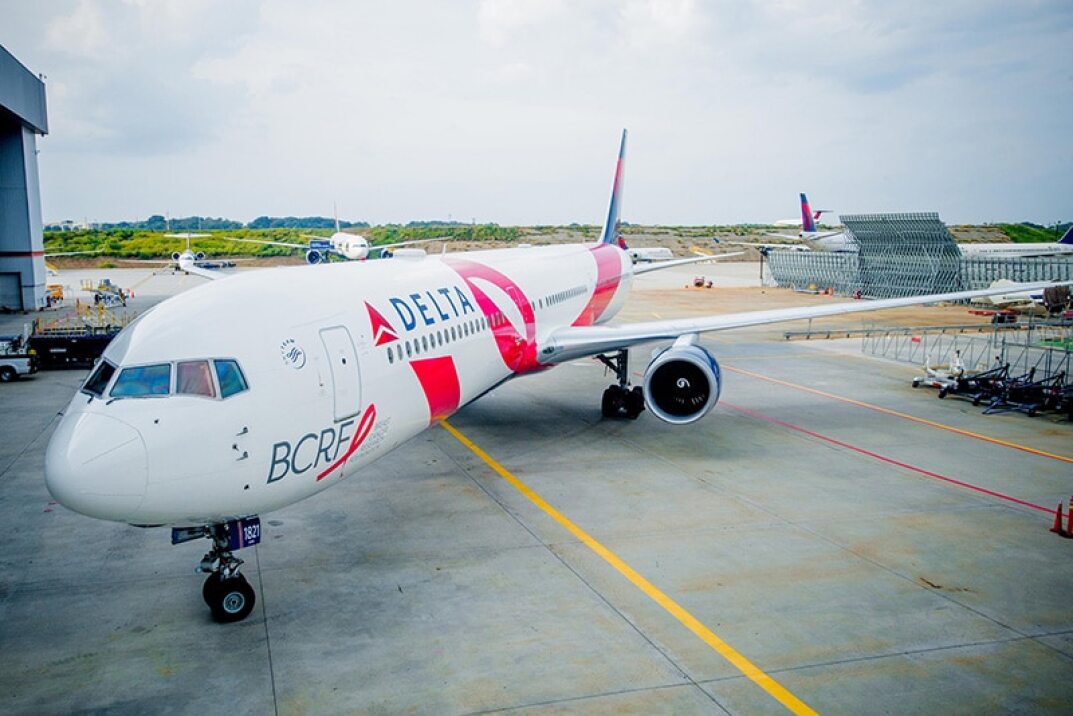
22 118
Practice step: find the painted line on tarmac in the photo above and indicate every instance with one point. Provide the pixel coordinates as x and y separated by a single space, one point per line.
884 458
904 416
746 667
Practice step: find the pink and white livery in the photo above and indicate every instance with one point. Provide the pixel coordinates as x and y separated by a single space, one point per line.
250 393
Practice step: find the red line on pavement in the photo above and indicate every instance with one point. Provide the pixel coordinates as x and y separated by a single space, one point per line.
883 458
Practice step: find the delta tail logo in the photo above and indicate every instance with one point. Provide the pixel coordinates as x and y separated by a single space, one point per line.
382 330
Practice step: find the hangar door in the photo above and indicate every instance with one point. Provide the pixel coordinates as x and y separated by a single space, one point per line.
10 291
343 362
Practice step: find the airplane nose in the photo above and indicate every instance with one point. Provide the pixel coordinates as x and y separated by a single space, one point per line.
97 465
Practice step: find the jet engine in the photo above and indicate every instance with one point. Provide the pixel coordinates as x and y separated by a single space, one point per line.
314 257
681 385
199 256
175 255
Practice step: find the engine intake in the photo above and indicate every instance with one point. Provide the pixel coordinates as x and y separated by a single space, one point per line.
199 256
314 257
175 256
682 384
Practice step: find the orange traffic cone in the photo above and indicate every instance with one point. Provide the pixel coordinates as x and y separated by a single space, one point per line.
1057 527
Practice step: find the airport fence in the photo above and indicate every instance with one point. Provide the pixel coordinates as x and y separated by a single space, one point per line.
1045 348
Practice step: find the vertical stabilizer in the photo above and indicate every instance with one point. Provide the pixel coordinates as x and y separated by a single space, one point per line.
808 224
1067 238
611 226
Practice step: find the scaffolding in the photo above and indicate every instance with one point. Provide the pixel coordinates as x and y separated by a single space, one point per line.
905 255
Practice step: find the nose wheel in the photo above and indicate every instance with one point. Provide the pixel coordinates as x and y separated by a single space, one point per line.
229 599
228 595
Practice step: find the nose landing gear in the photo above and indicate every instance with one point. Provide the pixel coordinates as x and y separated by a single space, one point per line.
228 595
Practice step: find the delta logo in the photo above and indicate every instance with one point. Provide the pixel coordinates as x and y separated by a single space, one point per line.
383 333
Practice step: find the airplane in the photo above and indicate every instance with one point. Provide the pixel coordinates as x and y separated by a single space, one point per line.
285 393
187 261
1062 247
645 253
351 247
814 239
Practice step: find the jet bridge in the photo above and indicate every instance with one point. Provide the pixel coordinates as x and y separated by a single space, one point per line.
22 117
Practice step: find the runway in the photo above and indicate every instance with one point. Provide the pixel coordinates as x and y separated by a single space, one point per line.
794 550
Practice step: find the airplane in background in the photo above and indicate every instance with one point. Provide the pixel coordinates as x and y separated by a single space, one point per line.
350 247
814 239
645 253
285 393
188 261
1062 247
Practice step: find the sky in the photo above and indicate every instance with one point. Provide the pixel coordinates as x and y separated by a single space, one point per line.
510 111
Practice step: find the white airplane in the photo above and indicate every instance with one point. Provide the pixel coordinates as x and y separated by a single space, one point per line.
284 393
187 261
352 247
811 237
645 253
1062 247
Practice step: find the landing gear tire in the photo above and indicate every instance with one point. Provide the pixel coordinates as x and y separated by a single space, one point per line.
619 400
230 600
613 401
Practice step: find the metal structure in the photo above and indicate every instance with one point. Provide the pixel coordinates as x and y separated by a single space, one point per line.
1022 349
905 255
22 118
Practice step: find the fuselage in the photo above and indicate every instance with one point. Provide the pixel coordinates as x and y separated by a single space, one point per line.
1016 250
248 394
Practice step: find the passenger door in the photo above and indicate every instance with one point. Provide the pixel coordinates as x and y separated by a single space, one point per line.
343 363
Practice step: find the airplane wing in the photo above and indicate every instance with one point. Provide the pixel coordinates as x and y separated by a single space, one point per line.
657 265
810 237
572 342
794 247
73 253
271 243
374 247
151 262
202 272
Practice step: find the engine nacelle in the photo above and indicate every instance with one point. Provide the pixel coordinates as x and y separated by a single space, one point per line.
314 257
199 256
682 384
175 256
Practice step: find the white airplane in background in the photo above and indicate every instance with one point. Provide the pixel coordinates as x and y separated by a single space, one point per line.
814 239
288 380
1062 247
187 261
352 247
645 253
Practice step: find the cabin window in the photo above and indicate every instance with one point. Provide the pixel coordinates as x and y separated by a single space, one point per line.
424 343
454 336
193 378
408 353
142 380
98 381
390 355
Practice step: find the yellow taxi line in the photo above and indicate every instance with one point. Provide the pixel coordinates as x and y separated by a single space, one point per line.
746 667
905 416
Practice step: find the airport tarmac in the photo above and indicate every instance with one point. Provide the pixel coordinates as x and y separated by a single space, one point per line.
791 549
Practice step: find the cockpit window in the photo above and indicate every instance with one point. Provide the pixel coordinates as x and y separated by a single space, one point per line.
142 380
98 381
231 379
193 378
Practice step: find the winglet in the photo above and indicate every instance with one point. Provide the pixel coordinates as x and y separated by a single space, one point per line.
610 232
808 224
1067 238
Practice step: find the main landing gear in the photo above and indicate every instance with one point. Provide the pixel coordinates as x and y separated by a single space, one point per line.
228 595
620 400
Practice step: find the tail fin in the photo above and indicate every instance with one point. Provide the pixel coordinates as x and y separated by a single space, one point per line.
1067 238
808 224
610 233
